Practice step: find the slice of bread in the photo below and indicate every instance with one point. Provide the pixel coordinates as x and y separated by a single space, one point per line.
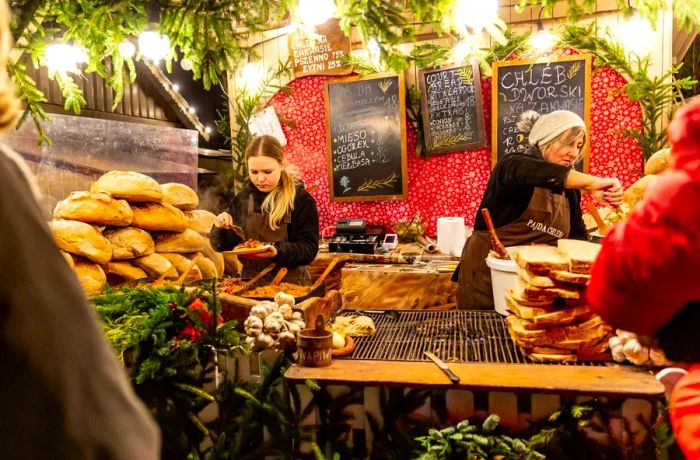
537 294
540 259
517 295
578 334
569 277
580 254
552 358
535 280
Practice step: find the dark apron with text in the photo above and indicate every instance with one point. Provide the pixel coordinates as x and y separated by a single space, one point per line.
258 228
546 219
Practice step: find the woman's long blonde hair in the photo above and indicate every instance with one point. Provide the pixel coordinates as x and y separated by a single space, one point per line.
9 104
280 200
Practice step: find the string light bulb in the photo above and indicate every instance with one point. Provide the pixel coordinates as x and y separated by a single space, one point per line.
636 33
176 87
252 76
186 64
543 39
315 12
207 129
192 110
475 14
461 50
127 49
153 45
63 57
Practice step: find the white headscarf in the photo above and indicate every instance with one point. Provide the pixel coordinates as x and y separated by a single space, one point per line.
551 125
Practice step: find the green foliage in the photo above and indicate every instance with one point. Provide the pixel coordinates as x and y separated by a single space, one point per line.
33 98
658 96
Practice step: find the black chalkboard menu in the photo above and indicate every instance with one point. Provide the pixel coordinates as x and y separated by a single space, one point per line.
453 116
558 83
366 138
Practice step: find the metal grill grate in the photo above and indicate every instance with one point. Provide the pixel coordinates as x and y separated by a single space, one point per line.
454 336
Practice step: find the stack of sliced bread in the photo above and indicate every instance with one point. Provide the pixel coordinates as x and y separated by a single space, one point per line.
550 317
128 227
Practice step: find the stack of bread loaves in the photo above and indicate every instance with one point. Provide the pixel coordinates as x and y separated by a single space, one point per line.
551 320
129 227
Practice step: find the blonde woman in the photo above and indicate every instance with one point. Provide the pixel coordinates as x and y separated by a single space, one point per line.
64 393
273 208
533 197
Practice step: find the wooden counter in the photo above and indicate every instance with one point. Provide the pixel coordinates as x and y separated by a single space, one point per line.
612 380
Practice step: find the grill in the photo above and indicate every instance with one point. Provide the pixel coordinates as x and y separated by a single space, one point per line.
454 336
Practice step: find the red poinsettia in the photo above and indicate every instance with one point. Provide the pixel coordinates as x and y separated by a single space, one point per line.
191 331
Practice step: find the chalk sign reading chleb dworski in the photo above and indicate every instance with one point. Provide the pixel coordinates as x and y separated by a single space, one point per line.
366 138
558 83
453 117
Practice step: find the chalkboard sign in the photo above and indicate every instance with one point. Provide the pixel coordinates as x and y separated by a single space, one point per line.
453 117
320 55
366 138
561 83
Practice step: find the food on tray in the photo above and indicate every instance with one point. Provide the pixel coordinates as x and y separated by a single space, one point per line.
156 265
270 291
182 242
551 320
128 185
180 196
200 221
229 285
658 162
91 276
82 239
250 244
94 208
129 242
159 217
354 325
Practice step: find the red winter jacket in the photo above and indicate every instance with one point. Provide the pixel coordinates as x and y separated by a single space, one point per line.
649 266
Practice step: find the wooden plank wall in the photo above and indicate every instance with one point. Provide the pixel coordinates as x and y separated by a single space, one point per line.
141 103
271 46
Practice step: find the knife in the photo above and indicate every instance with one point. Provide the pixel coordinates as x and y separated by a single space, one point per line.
441 364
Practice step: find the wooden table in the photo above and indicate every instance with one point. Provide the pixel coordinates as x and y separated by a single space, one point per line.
611 380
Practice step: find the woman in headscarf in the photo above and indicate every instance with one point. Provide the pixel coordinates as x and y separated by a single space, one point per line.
533 197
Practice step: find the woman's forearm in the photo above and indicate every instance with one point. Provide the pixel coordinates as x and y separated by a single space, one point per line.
579 181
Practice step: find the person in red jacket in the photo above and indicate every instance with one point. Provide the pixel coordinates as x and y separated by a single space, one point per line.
647 276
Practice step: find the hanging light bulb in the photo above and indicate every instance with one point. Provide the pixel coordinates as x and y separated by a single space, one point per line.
636 33
252 76
153 45
475 14
186 64
127 49
207 129
176 87
63 57
461 50
315 12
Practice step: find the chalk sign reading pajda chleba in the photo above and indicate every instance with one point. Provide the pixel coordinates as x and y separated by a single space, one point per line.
366 138
453 117
560 83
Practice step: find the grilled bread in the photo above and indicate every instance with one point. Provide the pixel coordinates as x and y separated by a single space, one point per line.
540 259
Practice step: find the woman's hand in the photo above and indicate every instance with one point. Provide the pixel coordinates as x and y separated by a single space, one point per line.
223 220
606 190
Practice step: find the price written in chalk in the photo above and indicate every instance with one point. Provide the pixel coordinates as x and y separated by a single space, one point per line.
323 53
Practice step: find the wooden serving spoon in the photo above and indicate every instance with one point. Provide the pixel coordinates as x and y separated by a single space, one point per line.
603 228
279 276
495 242
245 286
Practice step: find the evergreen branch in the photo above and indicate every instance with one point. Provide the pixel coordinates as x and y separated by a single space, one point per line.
370 184
32 96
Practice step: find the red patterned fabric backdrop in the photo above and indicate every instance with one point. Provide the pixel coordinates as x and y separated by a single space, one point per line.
450 184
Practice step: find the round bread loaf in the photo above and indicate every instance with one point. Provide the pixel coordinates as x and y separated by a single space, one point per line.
124 270
200 221
187 241
159 217
91 277
214 256
82 239
180 196
207 267
155 265
182 264
95 208
658 162
131 186
129 242
69 259
636 191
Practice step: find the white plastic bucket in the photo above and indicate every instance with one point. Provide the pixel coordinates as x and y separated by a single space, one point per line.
503 276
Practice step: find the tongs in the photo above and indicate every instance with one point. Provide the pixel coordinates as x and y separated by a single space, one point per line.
603 228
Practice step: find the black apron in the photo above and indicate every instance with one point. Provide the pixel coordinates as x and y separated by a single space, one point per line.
546 219
258 228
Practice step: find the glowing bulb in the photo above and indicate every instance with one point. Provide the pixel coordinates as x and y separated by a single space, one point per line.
636 33
186 64
176 87
461 50
127 49
191 110
62 57
315 12
252 76
207 129
153 45
475 14
543 40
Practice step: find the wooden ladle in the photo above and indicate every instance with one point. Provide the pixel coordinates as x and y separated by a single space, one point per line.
603 228
279 276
